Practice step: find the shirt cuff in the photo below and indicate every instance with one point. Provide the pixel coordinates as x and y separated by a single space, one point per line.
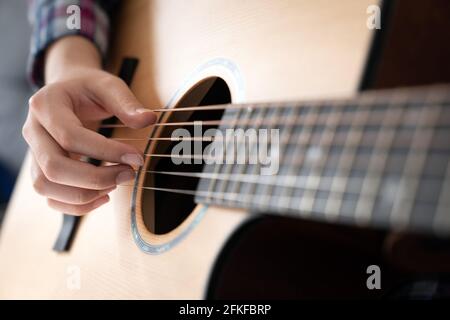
51 21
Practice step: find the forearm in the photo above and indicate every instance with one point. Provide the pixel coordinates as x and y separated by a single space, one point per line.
48 19
69 57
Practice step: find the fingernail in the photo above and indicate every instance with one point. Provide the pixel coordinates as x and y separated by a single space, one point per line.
97 203
143 110
125 176
133 159
151 116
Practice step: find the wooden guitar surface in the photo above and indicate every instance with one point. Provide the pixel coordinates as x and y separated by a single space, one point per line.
265 51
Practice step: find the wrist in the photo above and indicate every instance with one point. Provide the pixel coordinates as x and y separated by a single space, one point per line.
69 58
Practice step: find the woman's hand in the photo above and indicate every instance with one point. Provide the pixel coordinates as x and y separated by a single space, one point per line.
79 92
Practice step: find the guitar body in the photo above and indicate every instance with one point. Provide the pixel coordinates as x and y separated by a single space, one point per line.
262 51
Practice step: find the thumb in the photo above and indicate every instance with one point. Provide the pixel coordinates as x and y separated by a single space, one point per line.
114 96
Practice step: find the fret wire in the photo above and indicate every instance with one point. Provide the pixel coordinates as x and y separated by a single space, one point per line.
210 184
323 149
401 209
293 169
258 196
304 200
218 168
331 212
239 148
248 197
285 145
308 144
375 170
346 159
441 220
298 163
265 191
228 168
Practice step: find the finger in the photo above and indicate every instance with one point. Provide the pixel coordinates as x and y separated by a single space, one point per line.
53 106
73 137
77 210
114 95
62 193
89 143
60 169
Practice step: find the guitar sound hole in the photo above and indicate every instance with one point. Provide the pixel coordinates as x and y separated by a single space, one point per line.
169 210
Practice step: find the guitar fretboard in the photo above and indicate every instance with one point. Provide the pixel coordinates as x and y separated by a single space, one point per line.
381 159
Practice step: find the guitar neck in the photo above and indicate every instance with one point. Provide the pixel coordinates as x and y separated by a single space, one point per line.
381 159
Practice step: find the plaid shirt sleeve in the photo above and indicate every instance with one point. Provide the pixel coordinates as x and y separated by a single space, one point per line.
49 20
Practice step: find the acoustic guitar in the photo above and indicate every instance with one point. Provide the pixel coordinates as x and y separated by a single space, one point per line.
359 178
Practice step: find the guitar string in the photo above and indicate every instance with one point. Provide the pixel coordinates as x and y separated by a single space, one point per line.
208 194
271 121
234 196
215 176
192 192
436 152
279 120
237 198
439 144
284 181
275 180
289 181
286 203
220 122
210 139
442 124
362 127
348 148
393 97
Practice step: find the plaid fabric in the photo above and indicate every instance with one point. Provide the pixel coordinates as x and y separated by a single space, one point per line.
49 21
